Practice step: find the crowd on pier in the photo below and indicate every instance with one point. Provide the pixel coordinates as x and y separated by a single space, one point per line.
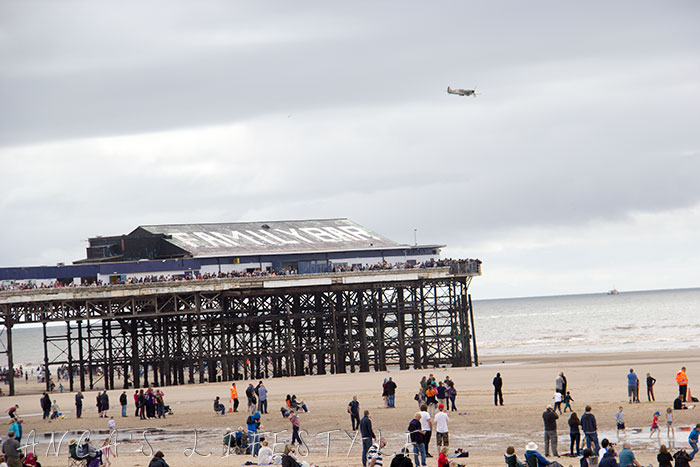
457 266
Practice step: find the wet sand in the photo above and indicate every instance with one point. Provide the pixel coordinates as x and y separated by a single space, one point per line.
479 427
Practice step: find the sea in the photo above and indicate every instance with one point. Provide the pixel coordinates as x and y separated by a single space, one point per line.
628 322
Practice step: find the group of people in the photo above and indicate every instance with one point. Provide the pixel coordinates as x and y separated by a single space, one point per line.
433 393
633 387
456 266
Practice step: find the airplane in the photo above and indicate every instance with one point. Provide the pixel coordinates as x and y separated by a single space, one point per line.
461 92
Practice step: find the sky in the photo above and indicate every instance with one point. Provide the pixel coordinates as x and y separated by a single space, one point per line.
575 169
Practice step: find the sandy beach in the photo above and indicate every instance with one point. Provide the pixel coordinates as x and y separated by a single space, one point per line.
479 427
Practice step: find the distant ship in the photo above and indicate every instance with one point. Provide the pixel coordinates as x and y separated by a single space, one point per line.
613 292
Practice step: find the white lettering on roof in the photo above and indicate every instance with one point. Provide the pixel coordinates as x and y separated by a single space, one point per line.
280 240
185 238
342 235
320 234
295 234
213 241
352 230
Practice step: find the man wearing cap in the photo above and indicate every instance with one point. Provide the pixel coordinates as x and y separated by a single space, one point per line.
442 434
549 416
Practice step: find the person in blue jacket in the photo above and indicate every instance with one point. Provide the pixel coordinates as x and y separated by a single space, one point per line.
608 459
692 440
531 451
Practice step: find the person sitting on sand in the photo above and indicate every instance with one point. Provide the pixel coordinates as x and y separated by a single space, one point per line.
535 459
219 407
158 460
402 459
298 404
585 460
512 459
288 459
285 412
31 461
608 460
264 454
678 404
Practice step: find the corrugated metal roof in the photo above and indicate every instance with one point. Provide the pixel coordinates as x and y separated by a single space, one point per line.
245 238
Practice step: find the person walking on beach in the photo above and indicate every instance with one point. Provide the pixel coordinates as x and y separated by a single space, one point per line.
368 436
632 385
590 429
651 381
417 436
430 400
426 425
620 423
693 440
559 384
136 403
497 393
79 404
574 435
354 411
557 401
442 432
250 394
262 398
296 424
122 402
45 406
441 393
390 393
451 396
655 427
682 381
670 432
549 416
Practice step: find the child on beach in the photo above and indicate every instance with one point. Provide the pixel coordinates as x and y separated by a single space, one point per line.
567 401
620 422
512 459
54 410
557 401
655 427
670 432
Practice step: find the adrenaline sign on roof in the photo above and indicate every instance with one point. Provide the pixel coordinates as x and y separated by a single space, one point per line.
277 236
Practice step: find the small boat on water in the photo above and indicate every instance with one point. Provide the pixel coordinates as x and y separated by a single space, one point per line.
613 292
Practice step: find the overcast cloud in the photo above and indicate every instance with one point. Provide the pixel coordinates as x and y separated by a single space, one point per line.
575 169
